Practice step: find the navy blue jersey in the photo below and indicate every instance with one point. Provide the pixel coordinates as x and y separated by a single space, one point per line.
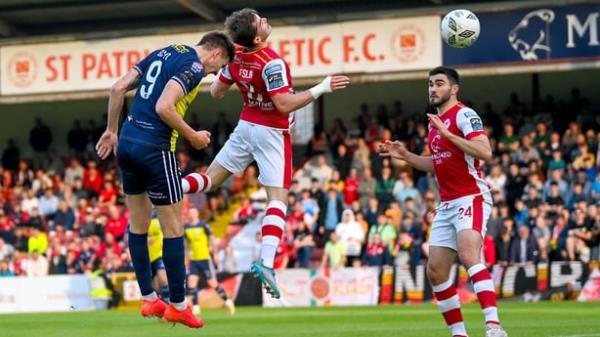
175 62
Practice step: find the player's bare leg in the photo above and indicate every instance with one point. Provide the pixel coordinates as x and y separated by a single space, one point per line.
139 221
204 182
273 225
469 252
178 311
192 292
439 264
214 284
159 283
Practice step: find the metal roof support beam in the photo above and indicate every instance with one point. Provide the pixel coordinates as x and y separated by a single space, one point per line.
204 9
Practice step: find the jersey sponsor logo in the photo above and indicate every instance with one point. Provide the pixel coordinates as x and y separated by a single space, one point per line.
246 74
275 81
476 124
470 114
273 68
180 48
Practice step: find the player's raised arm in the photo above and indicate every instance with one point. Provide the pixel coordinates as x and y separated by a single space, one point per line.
221 84
165 108
288 102
108 141
398 150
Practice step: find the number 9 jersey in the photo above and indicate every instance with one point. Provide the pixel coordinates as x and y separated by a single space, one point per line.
175 62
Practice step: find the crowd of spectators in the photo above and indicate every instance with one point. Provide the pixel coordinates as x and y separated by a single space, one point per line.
347 205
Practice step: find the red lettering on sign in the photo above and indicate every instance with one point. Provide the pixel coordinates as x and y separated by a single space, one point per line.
347 47
321 49
283 51
118 55
88 62
53 72
65 65
365 47
104 67
298 43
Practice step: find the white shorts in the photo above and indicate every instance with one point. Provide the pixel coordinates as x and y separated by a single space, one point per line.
470 212
271 148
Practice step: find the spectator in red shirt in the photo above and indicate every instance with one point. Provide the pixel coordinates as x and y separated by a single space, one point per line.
6 227
92 178
116 224
489 251
108 195
109 243
351 187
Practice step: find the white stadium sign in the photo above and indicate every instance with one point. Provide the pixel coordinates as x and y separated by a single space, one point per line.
372 46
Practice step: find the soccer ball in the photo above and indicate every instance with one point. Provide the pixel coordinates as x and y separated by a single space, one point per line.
460 28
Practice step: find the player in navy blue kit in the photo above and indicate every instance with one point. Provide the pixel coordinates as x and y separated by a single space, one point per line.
168 80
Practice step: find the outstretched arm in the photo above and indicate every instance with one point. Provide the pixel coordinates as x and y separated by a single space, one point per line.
289 102
398 150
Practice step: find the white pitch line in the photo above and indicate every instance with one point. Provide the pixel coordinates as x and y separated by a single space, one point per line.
584 335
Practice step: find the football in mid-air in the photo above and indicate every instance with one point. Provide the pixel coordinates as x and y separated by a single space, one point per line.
460 28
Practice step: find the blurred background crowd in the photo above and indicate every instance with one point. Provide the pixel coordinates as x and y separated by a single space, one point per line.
347 205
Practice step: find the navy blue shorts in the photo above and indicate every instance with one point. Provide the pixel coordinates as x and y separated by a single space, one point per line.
203 268
157 265
149 169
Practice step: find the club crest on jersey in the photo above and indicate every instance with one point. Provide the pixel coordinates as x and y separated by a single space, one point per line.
435 146
447 123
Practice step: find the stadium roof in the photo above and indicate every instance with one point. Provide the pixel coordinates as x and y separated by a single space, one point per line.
26 19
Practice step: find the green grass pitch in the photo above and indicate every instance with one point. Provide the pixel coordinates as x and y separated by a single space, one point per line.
565 319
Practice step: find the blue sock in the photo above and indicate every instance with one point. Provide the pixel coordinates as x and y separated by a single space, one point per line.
138 247
174 258
164 294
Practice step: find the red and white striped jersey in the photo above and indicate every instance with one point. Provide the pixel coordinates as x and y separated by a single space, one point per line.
458 173
260 75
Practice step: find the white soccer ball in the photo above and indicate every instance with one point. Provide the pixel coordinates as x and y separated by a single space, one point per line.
460 28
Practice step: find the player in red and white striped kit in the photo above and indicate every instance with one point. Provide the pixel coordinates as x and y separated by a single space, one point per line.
262 133
458 144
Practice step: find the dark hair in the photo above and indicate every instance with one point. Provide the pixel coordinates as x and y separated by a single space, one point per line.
218 40
241 27
451 73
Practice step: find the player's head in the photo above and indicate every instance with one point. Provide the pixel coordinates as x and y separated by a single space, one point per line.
444 83
247 28
218 51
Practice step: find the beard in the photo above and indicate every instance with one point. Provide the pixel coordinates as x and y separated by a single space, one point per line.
439 100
